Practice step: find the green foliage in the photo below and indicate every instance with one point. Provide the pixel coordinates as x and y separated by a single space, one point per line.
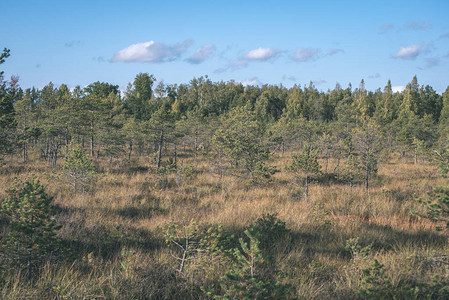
355 249
376 284
268 229
185 173
32 229
195 245
436 205
240 139
305 164
248 278
443 162
351 172
8 94
367 143
79 168
263 173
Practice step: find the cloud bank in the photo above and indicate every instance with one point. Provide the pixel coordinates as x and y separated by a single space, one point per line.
201 54
261 54
251 82
151 52
408 52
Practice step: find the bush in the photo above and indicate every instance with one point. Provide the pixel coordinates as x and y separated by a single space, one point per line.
437 206
377 285
249 277
268 229
79 168
32 230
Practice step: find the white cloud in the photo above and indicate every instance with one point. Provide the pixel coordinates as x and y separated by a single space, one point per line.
151 52
408 52
306 54
201 54
251 81
261 54
398 88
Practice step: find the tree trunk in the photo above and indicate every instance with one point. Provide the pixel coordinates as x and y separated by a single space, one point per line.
130 148
25 154
338 164
92 145
159 155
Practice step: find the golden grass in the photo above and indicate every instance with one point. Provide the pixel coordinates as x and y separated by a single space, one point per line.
127 208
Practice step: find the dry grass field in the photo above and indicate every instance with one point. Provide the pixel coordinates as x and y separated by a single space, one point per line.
116 249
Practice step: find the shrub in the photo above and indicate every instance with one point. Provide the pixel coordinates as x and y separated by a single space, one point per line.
249 278
32 230
377 285
268 229
356 251
437 206
79 168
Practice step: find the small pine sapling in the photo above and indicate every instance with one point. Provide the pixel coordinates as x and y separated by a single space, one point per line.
436 206
305 164
32 229
248 277
79 168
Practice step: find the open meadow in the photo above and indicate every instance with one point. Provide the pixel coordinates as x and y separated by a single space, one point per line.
115 244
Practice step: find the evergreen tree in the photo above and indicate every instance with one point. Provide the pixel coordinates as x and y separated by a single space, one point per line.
241 138
305 164
79 168
7 114
139 95
32 229
249 278
367 143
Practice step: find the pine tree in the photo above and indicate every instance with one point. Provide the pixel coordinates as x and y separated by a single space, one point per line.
305 164
32 229
249 278
241 139
79 168
367 145
7 114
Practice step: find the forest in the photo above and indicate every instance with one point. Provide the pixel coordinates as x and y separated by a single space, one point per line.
216 190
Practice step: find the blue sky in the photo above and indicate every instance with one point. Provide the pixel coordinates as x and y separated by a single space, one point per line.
254 42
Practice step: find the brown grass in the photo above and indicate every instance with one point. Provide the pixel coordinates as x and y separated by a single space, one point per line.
125 211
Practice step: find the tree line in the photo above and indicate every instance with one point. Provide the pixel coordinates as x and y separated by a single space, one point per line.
239 126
